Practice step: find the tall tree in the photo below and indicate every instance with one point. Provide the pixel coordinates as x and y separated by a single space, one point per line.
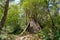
34 10
4 15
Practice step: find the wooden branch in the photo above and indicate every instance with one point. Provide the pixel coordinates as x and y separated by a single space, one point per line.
24 30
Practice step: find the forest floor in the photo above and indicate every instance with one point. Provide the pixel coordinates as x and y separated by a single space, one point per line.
27 37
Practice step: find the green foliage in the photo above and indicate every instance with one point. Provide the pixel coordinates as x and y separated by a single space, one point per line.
18 17
38 10
12 22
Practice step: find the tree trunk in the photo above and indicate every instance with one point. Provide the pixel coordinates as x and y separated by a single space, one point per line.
32 27
4 15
